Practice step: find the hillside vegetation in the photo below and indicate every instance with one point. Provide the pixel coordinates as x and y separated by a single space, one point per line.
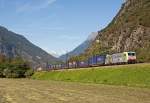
128 75
128 31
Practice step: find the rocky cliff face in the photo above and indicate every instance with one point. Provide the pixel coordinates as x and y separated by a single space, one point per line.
13 45
129 31
7 49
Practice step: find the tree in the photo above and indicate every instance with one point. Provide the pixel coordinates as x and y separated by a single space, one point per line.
2 58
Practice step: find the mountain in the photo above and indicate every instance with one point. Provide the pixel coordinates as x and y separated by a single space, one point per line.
81 48
14 45
128 31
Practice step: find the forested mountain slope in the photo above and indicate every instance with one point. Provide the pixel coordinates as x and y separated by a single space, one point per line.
14 45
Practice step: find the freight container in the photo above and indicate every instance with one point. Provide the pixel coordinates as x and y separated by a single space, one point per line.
63 66
92 61
108 59
48 66
100 59
74 64
53 66
70 65
83 64
119 58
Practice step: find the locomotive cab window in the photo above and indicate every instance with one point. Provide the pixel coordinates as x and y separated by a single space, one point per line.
131 54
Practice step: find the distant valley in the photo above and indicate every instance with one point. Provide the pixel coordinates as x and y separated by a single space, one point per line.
81 48
14 45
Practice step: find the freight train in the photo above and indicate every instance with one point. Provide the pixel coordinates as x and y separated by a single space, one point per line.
98 60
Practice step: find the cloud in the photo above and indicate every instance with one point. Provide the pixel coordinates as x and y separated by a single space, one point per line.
29 6
57 54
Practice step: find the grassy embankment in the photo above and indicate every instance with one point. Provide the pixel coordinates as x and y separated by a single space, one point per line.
129 75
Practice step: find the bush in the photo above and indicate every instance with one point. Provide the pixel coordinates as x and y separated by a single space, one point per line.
16 68
1 73
7 73
15 71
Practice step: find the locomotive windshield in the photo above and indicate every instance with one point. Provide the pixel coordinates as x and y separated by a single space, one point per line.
131 54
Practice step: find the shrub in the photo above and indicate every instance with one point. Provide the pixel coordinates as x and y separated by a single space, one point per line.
1 72
14 68
29 73
7 73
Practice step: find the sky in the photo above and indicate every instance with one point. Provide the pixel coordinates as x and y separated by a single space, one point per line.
57 26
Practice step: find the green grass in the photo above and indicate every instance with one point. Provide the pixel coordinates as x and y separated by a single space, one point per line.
128 75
